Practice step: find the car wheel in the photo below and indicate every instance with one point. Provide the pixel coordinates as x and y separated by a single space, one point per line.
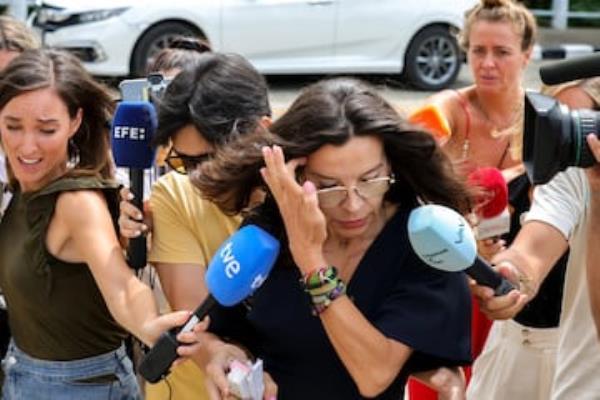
154 40
433 59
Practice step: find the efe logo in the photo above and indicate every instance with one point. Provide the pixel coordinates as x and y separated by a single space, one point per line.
131 132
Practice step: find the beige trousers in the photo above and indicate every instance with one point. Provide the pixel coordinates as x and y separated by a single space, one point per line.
517 363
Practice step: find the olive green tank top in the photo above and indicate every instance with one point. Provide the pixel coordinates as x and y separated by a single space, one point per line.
56 311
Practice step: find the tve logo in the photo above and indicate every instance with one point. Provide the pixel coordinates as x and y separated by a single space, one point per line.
131 132
232 266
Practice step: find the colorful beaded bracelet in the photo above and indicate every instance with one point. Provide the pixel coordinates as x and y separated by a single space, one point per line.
323 285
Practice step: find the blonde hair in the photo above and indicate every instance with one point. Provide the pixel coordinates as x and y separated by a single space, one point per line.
16 36
499 11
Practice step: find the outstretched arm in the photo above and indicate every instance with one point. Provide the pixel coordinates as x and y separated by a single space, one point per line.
82 218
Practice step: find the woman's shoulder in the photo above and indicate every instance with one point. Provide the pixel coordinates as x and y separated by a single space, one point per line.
78 183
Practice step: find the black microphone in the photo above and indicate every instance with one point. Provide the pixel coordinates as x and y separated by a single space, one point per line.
132 130
570 70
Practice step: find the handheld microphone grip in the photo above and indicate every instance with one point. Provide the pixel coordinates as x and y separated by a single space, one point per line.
156 362
136 249
133 128
237 269
485 275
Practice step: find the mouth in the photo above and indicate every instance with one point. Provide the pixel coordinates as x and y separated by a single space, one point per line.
29 161
353 224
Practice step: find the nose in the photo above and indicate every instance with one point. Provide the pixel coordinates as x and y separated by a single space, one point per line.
353 201
488 60
27 145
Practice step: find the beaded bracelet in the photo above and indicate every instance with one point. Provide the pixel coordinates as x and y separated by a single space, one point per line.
323 285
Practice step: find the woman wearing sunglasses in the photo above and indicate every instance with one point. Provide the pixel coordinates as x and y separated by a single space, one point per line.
349 310
215 98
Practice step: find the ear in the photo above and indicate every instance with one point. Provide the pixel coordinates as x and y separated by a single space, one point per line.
265 121
527 56
76 122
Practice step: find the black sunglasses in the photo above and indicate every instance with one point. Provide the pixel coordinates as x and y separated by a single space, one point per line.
182 163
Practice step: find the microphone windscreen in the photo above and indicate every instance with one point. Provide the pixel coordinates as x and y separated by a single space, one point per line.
431 118
571 69
241 264
133 128
494 197
441 237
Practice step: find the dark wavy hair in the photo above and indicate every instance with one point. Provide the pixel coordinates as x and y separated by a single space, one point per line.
48 68
332 112
220 94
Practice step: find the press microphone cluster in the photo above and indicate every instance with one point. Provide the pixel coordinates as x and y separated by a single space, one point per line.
442 238
238 268
492 207
133 128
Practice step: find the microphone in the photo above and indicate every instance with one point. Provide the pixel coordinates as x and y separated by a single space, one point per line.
132 130
239 267
572 69
431 119
492 207
442 239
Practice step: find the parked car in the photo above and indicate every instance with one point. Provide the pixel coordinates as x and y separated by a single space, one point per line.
116 37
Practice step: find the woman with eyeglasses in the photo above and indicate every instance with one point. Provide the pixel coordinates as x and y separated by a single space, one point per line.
349 310
217 97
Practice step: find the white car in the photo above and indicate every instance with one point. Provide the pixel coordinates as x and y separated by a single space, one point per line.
116 37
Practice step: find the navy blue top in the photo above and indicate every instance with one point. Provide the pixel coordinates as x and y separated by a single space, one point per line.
406 300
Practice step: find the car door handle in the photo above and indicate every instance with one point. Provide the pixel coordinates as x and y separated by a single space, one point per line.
320 2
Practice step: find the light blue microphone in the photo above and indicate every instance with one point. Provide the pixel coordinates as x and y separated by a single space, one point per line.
238 268
443 239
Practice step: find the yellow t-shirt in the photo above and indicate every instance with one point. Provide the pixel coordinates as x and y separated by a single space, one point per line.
186 229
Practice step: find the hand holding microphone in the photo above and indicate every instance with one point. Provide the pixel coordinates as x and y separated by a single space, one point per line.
132 130
442 238
238 268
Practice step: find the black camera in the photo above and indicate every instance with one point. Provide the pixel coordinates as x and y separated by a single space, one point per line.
554 137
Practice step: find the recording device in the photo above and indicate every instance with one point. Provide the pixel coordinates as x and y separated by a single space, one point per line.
150 88
238 268
442 239
431 118
571 70
492 204
133 127
554 136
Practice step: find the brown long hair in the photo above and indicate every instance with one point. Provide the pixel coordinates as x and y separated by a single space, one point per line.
46 68
332 112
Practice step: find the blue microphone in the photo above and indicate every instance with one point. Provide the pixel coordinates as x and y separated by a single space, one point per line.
132 130
443 239
237 269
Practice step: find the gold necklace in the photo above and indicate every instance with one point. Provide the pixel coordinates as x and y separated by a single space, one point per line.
512 130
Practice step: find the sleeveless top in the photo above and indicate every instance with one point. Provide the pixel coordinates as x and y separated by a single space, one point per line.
56 310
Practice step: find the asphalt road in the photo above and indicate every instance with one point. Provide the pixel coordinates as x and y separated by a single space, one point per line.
283 89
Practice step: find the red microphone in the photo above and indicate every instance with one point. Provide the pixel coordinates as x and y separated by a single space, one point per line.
492 204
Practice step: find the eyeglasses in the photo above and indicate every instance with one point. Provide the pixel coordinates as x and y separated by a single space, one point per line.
182 163
334 196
